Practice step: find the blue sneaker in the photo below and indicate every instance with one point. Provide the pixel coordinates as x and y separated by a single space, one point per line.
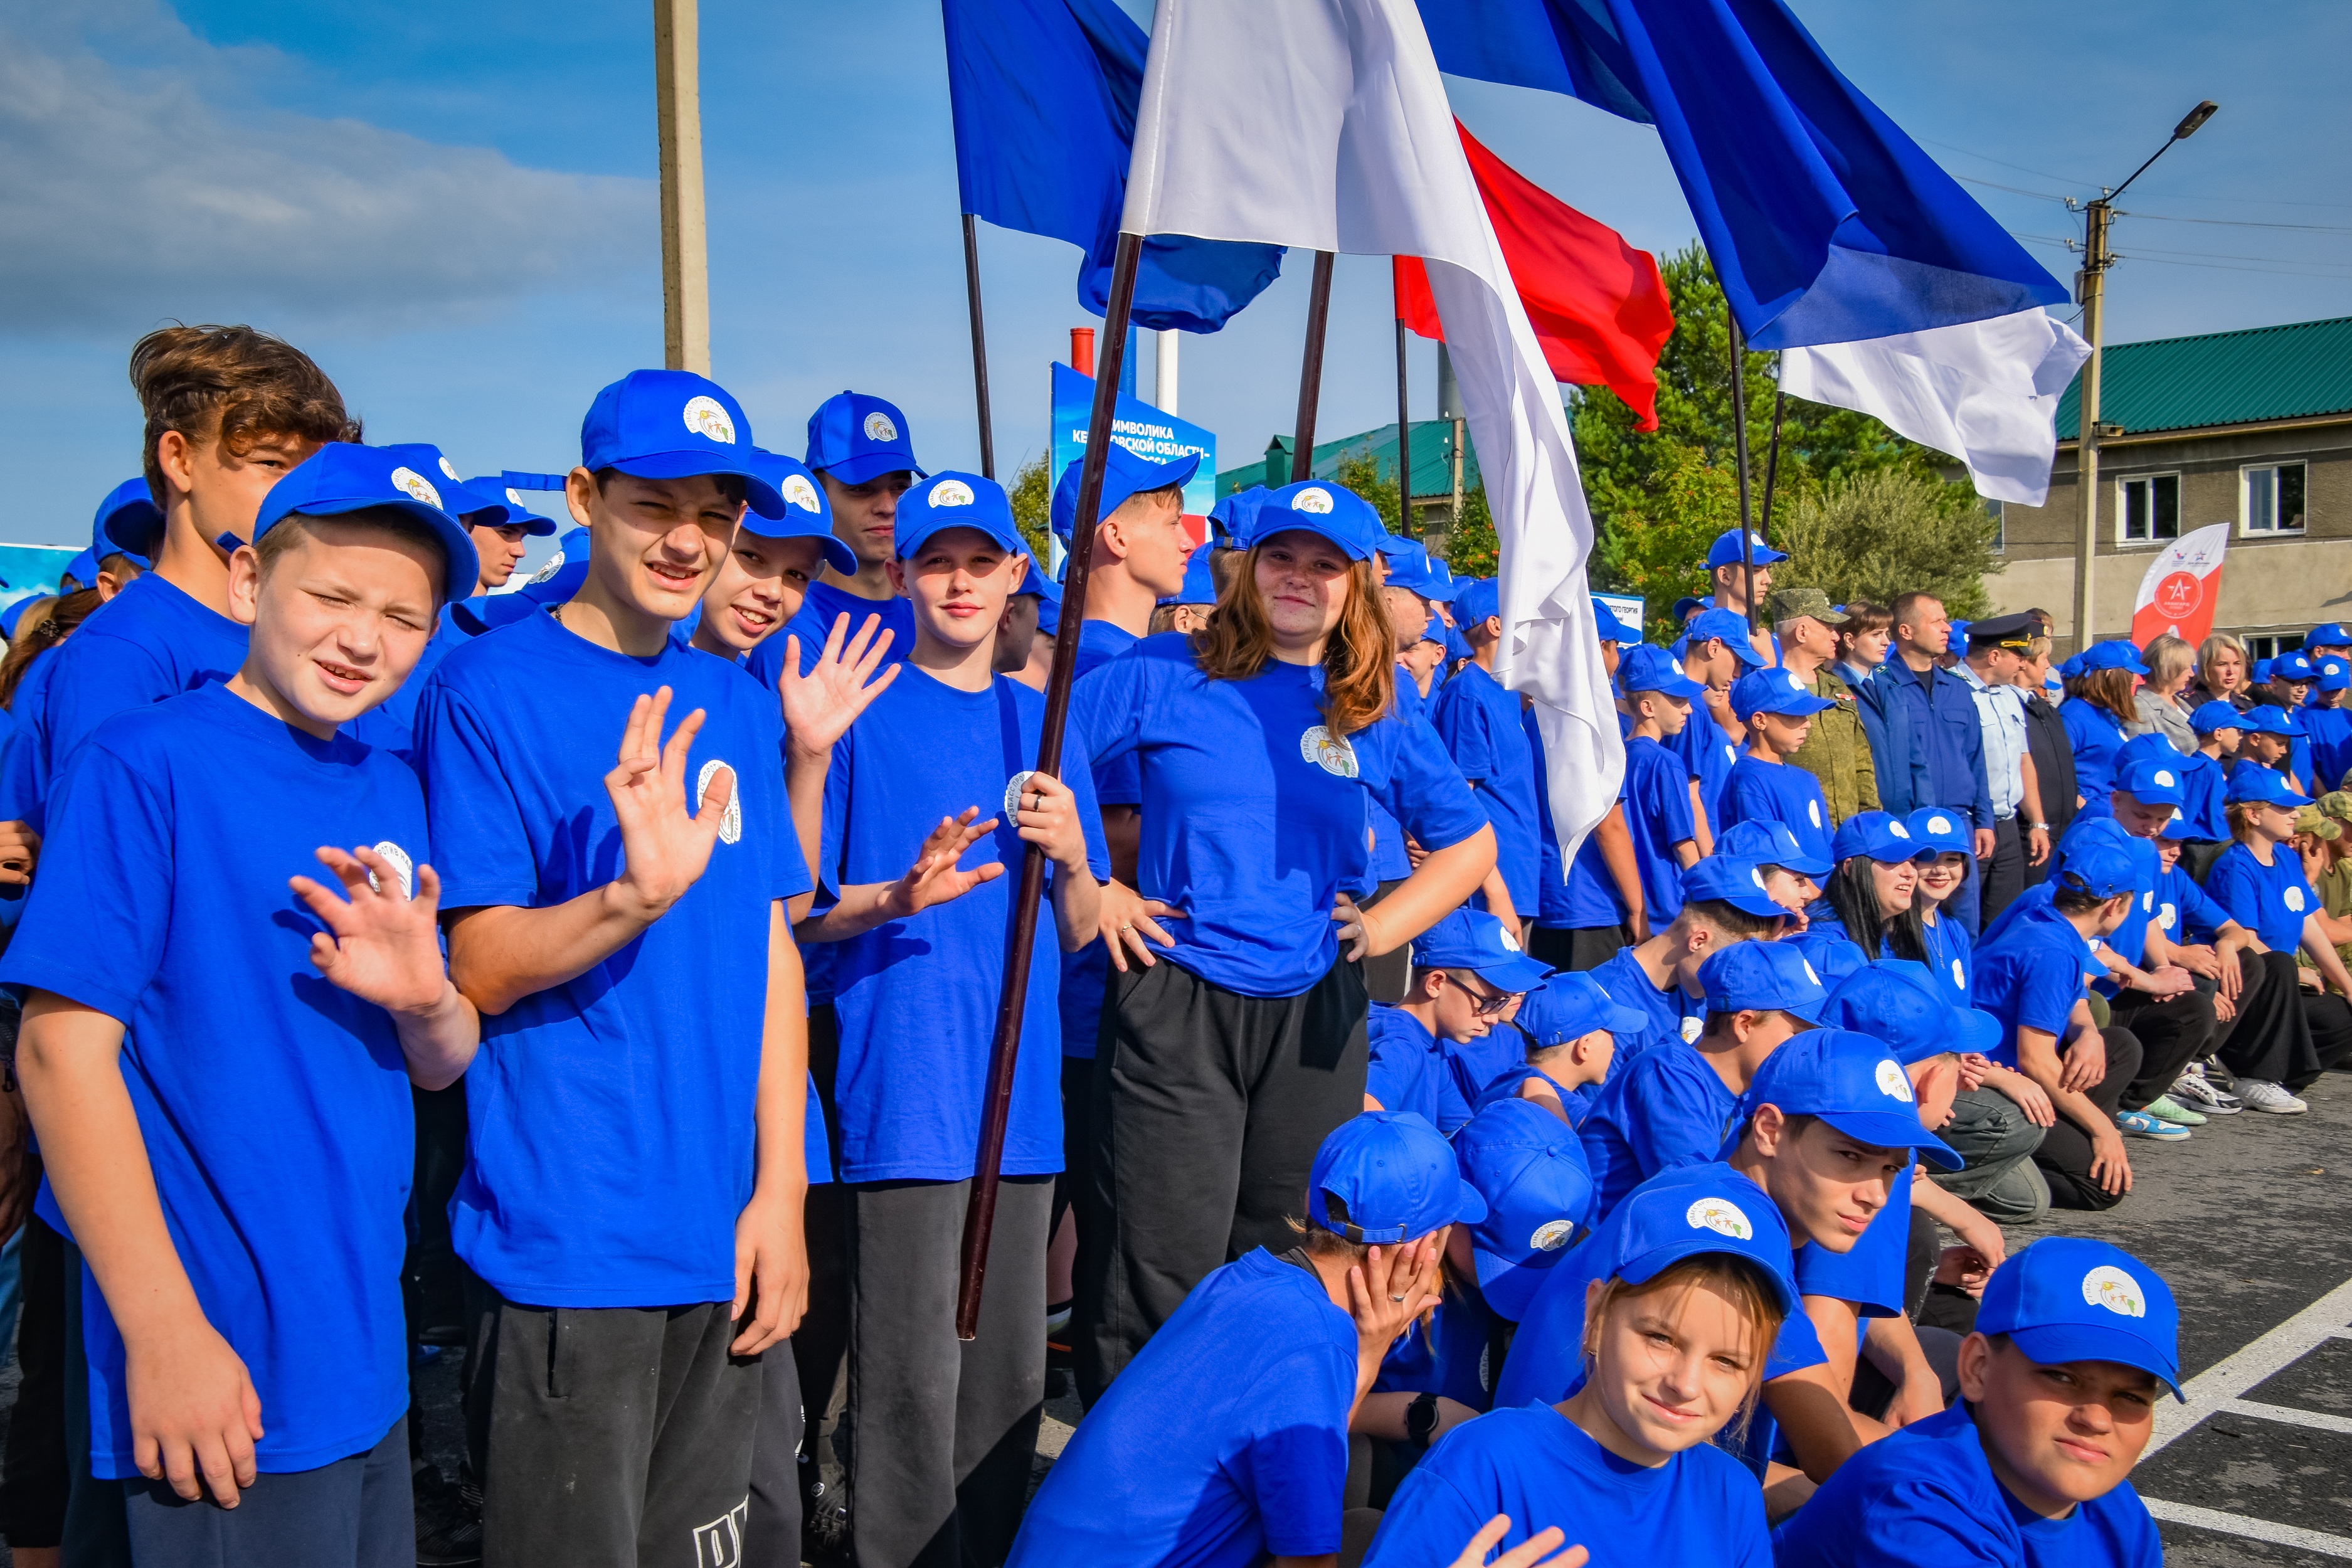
2140 1124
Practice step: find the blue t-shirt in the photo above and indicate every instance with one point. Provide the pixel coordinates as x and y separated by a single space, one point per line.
274 1106
2272 901
2202 804
1700 1506
1758 791
1085 973
1951 953
610 1130
2097 736
1927 1496
1407 1063
917 998
1582 894
2029 976
1252 812
24 755
1708 755
2184 913
2328 740
822 604
1479 722
148 642
1657 818
1666 1108
1673 1013
1390 861
1577 1102
1226 1439
1471 1066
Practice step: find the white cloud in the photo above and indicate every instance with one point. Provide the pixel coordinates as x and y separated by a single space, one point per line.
129 194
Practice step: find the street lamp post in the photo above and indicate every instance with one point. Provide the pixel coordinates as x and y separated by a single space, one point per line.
2091 292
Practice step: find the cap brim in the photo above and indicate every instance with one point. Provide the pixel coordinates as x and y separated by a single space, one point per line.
464 561
134 530
763 496
903 548
1282 521
872 466
1752 901
1644 1266
1470 1205
1516 973
1816 870
1624 1020
1509 1287
1894 1130
837 555
1680 685
2055 1345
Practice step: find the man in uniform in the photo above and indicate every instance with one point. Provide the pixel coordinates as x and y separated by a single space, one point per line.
2021 831
1836 753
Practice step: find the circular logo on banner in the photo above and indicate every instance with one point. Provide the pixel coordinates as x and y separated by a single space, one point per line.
2178 595
1314 499
1814 812
416 487
1720 1216
730 821
797 491
2295 899
401 866
1327 752
1891 1081
879 428
704 417
450 471
1552 1234
1939 824
951 492
1013 788
2109 1287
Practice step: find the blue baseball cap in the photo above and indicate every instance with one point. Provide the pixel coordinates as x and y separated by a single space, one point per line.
1688 603
2268 719
1852 1082
855 437
2294 667
2068 1298
1475 940
1231 514
1728 625
1124 475
1763 976
82 569
1897 1001
1570 1005
1882 836
558 582
1324 507
806 513
1049 600
2071 667
951 500
1939 830
1482 599
2114 654
1774 692
1199 580
2335 675
2329 634
129 523
1662 1223
1529 1168
2261 675
2215 715
1419 573
673 424
1958 641
15 611
344 476
1608 627
1739 883
2152 783
1768 842
2250 782
1648 667
459 499
2103 869
1397 1175
518 512
1724 551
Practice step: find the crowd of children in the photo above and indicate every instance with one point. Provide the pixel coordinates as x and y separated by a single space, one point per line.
601 977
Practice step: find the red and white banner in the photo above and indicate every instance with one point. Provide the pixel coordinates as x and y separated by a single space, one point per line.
2182 585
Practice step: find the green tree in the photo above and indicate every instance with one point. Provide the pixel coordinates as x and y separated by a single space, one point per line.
1471 548
1876 535
1032 495
1360 472
1657 544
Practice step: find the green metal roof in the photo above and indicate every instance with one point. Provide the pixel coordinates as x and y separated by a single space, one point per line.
2219 378
1433 463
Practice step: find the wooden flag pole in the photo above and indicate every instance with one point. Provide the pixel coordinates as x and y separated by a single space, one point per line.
1310 371
978 344
1405 523
686 270
980 1217
1740 441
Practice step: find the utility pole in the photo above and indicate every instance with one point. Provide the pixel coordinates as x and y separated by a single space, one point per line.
2091 293
685 267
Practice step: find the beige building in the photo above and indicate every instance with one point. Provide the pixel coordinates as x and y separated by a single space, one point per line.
2250 428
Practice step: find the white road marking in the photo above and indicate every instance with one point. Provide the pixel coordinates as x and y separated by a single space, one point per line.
2227 1379
2292 1417
2250 1529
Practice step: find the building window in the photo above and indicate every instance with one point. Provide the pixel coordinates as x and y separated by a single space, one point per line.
2149 512
2000 525
2259 648
2272 498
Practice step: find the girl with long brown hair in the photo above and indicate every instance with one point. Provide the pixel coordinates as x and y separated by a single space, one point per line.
1260 743
2099 704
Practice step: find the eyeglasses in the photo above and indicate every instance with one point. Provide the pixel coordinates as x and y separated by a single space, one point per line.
1486 1007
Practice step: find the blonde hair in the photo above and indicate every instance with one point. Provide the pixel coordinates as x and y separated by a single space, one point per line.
1736 1279
2168 659
1359 657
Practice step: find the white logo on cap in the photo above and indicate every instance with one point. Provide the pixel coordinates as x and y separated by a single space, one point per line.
2109 1287
1314 499
797 491
730 821
1691 1028
448 471
401 866
416 487
1814 812
704 417
1327 752
554 565
1756 875
1939 824
514 495
2295 899
951 492
1552 1234
879 428
1898 830
1891 1081
1808 968
2167 917
2163 777
1720 1216
1510 943
1675 664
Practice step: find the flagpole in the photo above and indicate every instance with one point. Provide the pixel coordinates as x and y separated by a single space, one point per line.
978 344
1405 524
1740 441
1771 467
1310 371
980 1217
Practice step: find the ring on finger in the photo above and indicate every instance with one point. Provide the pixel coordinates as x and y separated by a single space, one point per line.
1398 1299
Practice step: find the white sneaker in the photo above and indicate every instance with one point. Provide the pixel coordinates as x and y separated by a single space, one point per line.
2270 1097
2196 1091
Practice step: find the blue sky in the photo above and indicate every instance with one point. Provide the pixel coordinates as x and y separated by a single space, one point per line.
452 207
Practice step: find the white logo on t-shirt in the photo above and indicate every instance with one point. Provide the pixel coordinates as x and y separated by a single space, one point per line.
1327 752
1314 499
1720 1216
1729 752
1552 1234
2109 1287
554 565
2295 899
1960 975
2167 917
879 428
401 866
1691 1027
1891 1081
797 491
1813 811
416 487
705 418
951 492
730 821
2148 903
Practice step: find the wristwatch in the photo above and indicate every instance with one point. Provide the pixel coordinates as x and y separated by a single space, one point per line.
1421 1422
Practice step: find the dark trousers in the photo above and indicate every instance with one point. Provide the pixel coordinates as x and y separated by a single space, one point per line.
1575 948
821 1345
34 1479
2282 1033
2329 1018
1078 1137
2065 1157
2171 1034
939 1433
1209 1107
616 1435
1389 977
95 1535
2004 875
355 1513
432 1280
771 1532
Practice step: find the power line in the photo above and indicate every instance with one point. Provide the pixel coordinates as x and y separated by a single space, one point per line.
2018 190
2020 168
2238 223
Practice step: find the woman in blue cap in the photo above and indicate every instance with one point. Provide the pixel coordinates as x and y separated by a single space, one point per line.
2099 710
1947 858
1872 891
1260 743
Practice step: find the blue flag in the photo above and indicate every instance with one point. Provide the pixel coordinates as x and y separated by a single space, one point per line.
1825 222
1045 95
